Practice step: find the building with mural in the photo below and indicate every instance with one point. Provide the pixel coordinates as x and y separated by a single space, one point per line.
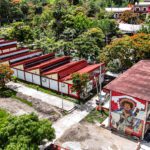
130 101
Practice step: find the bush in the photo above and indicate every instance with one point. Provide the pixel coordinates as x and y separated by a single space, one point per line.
6 93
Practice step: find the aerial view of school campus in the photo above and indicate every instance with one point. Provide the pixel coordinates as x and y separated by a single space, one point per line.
74 74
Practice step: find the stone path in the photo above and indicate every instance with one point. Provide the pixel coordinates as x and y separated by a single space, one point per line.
50 99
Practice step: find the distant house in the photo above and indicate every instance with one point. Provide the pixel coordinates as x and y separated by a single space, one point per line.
130 101
141 7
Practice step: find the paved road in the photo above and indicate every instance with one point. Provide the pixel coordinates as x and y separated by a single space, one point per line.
50 99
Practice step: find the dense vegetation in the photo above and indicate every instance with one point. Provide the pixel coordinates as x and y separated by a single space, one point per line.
80 28
23 132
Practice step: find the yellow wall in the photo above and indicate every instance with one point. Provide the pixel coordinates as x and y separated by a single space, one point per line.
19 67
36 71
53 76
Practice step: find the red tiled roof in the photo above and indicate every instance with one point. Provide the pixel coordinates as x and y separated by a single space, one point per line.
33 59
87 69
48 63
64 67
134 82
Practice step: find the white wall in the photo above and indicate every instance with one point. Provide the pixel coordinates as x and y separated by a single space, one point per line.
21 74
45 82
54 85
63 87
28 77
15 72
36 79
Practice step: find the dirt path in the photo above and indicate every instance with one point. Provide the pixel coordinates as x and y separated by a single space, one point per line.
17 108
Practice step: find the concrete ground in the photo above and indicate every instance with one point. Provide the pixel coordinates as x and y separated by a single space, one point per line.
50 99
87 136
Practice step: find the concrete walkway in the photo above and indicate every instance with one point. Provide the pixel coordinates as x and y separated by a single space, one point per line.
50 99
73 118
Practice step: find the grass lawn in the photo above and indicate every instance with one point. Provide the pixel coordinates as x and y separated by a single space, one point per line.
48 91
3 116
94 115
8 93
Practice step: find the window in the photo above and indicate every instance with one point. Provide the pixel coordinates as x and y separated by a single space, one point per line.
144 9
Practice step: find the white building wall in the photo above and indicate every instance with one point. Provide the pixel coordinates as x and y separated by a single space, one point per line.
45 82
54 85
63 87
21 74
28 77
36 79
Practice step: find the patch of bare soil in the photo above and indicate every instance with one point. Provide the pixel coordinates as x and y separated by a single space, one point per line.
76 133
94 138
17 108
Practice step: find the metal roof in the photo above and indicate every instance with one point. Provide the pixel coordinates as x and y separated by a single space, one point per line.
117 9
33 59
48 63
87 69
134 82
65 67
19 55
11 52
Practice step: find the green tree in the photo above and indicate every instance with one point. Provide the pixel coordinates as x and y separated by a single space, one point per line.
109 28
5 74
21 32
25 132
89 43
80 83
123 52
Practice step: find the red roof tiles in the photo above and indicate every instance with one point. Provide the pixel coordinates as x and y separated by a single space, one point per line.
134 82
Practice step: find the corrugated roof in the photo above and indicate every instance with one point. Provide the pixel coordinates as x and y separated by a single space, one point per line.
20 49
48 63
33 59
87 69
64 67
19 55
134 82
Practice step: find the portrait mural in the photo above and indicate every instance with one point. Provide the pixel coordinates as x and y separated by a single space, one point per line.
127 114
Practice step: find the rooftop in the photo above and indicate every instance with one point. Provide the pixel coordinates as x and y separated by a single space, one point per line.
117 9
134 82
87 69
48 63
66 66
33 59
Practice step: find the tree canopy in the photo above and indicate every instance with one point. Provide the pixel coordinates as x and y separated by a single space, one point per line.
123 52
5 74
25 132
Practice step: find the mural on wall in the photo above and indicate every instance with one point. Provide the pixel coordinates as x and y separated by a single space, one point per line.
127 114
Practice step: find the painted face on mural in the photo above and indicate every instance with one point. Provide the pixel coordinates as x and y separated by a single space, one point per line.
127 106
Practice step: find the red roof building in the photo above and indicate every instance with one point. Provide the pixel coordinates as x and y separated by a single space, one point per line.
19 57
87 69
13 53
130 100
6 46
33 61
49 65
66 69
